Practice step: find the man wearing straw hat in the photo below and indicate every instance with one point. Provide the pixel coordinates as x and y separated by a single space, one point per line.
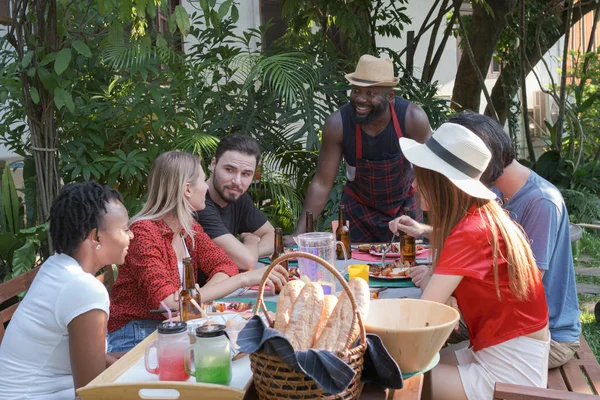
365 132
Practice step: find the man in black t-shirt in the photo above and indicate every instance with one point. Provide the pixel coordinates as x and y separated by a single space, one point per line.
230 217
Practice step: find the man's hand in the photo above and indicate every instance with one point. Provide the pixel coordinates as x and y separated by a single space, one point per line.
419 274
247 237
406 224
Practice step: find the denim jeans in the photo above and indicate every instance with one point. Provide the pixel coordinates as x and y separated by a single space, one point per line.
127 337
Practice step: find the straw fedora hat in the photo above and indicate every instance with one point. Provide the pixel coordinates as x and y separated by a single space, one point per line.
455 152
373 71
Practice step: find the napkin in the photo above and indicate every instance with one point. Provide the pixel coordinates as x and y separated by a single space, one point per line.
329 371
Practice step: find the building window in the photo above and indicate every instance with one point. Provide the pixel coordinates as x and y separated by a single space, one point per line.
4 12
271 10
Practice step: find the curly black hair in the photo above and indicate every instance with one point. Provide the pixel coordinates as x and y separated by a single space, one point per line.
77 210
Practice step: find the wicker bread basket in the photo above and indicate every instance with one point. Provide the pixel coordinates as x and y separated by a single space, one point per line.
274 379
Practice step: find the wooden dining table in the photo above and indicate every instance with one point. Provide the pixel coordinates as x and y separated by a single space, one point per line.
412 390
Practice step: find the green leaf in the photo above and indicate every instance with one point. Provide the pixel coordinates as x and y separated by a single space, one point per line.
59 97
161 42
235 14
172 24
8 243
10 201
125 9
24 257
151 9
224 9
182 19
27 59
31 72
69 102
35 95
204 4
140 8
48 59
62 61
82 48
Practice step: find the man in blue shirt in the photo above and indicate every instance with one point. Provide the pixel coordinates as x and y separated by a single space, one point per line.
539 208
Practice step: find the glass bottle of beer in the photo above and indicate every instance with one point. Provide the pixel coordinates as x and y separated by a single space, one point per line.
278 251
310 221
408 245
189 292
342 233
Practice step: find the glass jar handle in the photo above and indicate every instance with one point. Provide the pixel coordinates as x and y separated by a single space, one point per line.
147 359
190 360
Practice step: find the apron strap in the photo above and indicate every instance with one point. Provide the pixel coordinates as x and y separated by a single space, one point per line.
358 135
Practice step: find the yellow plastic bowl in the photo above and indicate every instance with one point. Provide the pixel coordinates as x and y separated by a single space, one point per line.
412 330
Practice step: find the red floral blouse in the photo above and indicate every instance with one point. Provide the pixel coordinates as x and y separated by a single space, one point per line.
150 273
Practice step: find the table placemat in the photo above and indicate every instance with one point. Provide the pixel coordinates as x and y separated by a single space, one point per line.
396 283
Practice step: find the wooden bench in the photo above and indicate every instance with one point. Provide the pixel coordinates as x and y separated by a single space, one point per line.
579 378
13 287
10 289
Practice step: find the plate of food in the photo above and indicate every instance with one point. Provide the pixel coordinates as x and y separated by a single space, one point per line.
395 251
389 272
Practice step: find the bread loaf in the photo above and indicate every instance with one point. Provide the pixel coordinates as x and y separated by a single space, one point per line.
285 303
305 317
340 327
329 303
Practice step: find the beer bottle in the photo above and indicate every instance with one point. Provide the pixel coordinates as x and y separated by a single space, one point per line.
189 292
310 221
278 251
408 244
342 233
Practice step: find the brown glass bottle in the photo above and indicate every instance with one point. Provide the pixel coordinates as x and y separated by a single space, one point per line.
408 245
189 292
342 233
278 250
310 221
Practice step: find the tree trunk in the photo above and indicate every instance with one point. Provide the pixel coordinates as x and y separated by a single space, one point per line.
498 95
483 37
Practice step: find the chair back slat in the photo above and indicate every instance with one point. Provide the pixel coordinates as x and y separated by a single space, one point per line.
10 289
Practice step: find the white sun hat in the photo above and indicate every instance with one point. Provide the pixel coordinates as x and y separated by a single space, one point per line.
455 152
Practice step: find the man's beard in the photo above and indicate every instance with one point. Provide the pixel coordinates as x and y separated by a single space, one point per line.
376 111
228 197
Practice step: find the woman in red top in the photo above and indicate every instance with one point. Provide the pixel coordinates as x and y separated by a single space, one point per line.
483 262
165 232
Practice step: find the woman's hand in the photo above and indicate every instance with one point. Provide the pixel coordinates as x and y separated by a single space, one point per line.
406 224
278 276
420 274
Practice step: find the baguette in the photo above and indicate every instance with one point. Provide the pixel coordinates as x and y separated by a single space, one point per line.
286 301
340 326
329 303
305 317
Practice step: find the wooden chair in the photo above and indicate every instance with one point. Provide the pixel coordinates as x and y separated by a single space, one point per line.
178 390
10 289
508 391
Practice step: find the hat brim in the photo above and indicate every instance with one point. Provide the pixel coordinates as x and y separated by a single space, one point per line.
420 155
365 83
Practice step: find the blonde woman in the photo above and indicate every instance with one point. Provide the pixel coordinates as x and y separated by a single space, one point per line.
164 233
484 263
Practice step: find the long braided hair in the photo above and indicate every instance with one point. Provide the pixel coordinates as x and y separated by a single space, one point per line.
78 209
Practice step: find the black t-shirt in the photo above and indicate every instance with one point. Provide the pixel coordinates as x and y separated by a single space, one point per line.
235 218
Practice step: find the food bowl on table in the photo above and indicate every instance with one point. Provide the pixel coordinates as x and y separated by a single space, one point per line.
412 330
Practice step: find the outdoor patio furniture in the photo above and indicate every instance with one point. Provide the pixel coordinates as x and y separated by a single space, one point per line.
10 289
150 390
